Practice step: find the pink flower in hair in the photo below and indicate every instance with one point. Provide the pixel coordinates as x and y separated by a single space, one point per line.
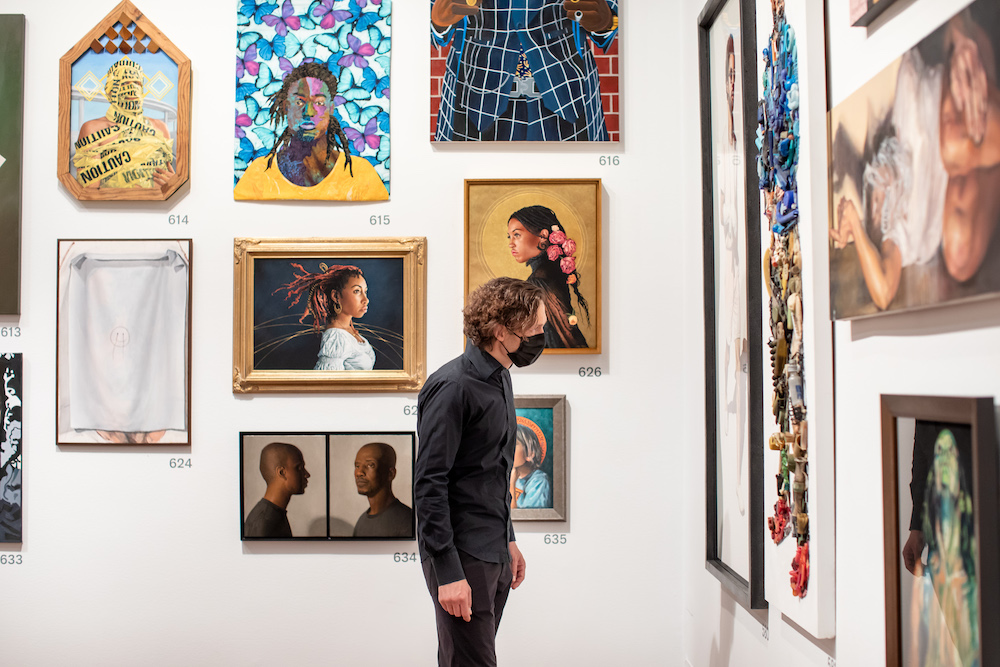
557 237
569 247
567 264
554 252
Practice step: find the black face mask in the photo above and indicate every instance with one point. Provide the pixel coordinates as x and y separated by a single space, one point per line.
528 351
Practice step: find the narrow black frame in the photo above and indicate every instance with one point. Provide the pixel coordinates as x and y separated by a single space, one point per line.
750 594
328 435
978 413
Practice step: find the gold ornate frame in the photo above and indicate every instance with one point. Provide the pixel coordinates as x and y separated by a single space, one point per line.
125 13
412 250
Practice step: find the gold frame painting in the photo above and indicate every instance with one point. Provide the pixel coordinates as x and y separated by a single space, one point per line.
278 337
152 163
556 246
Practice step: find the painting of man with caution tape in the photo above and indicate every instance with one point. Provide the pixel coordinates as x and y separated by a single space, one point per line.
124 111
124 147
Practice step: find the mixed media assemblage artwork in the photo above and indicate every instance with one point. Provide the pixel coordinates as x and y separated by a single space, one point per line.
541 70
125 98
538 478
12 383
915 175
941 532
318 486
124 342
547 232
734 545
778 162
11 121
312 100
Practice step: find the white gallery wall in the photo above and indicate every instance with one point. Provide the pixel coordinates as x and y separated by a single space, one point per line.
126 561
942 351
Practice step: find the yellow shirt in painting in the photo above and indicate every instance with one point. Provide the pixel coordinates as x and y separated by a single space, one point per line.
259 183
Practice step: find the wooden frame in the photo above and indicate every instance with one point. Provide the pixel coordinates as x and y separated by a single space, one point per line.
11 140
749 591
330 506
978 415
576 204
408 375
116 337
556 453
145 38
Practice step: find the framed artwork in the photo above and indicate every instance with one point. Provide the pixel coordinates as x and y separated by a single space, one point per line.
800 531
329 315
913 210
939 493
547 232
327 486
11 121
543 72
312 100
864 12
11 502
124 111
538 480
123 349
732 284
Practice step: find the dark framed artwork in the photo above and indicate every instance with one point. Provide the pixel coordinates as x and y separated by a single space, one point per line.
123 348
538 480
124 111
548 232
329 315
913 207
940 511
547 70
11 497
864 12
11 121
732 283
327 486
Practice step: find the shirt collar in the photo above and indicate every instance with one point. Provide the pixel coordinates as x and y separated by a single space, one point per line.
482 361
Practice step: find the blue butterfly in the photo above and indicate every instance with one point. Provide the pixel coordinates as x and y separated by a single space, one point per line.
352 90
260 115
248 153
244 90
250 9
267 83
267 137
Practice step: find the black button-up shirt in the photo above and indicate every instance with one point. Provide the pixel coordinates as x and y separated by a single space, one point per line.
466 426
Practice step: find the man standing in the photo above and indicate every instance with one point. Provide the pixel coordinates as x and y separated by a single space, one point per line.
284 471
386 516
466 426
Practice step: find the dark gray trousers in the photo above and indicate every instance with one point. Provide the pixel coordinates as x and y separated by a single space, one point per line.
471 644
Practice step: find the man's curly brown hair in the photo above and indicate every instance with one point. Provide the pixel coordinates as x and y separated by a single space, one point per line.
509 302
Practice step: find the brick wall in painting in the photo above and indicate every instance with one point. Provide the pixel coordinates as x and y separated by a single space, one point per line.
607 67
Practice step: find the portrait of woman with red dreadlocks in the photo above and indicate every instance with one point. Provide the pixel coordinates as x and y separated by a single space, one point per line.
325 316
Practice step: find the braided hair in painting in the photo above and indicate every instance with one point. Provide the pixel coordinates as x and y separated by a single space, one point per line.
336 140
542 221
321 290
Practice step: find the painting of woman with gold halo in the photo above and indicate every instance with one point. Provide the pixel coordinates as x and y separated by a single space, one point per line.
548 233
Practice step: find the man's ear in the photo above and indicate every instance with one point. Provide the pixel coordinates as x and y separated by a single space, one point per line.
392 474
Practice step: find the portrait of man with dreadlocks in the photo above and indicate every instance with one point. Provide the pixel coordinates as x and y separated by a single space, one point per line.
310 158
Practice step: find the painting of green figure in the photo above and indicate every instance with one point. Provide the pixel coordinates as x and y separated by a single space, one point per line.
941 626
